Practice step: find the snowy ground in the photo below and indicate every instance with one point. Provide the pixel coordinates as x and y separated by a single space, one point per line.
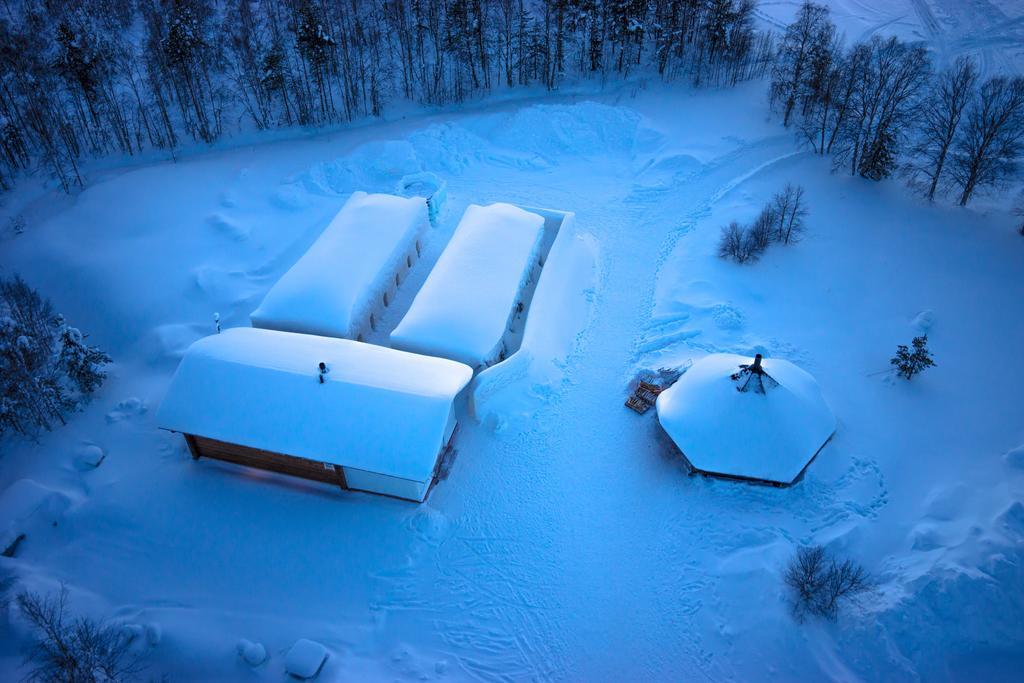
565 543
992 31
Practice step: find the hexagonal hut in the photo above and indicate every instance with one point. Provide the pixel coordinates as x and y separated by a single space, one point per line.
763 420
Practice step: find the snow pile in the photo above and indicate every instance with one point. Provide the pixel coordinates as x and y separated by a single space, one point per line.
559 313
305 659
251 653
584 129
89 457
378 410
769 436
374 165
333 289
26 506
463 310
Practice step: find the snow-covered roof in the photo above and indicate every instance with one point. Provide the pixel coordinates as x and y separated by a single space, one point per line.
463 309
332 289
769 436
379 409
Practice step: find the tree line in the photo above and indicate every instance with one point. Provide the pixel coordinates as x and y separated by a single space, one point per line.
101 77
879 108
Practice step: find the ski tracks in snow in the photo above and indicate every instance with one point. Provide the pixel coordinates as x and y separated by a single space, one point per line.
691 197
483 594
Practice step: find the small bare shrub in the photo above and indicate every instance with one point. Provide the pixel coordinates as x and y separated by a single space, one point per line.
737 244
820 584
73 650
781 220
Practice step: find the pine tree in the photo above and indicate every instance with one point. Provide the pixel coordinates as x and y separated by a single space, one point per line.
909 363
81 363
878 160
46 369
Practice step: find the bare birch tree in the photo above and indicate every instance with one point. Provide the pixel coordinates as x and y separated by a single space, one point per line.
989 145
939 122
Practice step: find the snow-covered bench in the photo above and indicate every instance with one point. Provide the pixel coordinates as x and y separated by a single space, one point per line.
464 308
375 419
351 271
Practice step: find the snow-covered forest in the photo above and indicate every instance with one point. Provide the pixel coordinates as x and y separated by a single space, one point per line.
678 335
117 77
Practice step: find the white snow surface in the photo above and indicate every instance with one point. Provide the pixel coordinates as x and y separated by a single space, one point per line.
26 506
332 289
565 542
770 436
378 410
462 311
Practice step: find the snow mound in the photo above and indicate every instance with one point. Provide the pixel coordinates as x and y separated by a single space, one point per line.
1015 457
769 436
127 409
89 457
251 653
305 659
581 130
449 147
228 227
947 503
335 285
375 166
173 339
944 639
26 505
223 286
923 321
462 311
1012 519
291 196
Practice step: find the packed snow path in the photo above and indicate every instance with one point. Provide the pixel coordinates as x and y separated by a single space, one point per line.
569 545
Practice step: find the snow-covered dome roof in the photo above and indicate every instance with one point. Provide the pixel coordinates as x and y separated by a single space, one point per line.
734 416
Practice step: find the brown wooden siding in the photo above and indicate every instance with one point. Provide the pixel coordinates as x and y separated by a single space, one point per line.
201 446
267 460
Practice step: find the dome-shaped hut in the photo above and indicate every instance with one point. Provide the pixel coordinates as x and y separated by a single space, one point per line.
761 419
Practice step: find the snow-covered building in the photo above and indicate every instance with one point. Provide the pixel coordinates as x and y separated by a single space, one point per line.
350 271
369 418
464 309
760 419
